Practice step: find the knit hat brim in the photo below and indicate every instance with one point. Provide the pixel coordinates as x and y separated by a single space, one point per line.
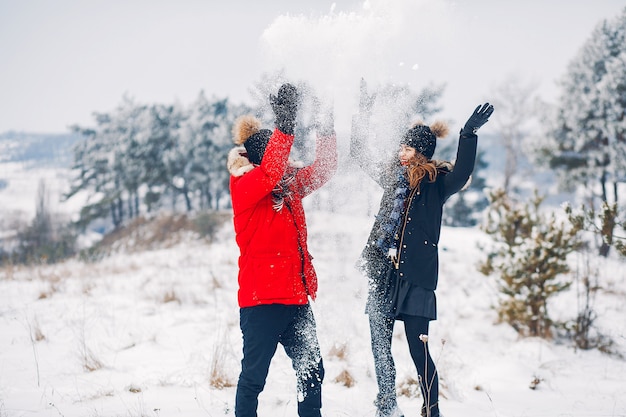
422 139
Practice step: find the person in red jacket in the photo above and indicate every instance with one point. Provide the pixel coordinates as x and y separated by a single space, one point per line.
276 276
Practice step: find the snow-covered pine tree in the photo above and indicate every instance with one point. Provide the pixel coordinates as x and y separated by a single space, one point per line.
142 158
587 137
97 168
127 125
172 154
529 256
207 134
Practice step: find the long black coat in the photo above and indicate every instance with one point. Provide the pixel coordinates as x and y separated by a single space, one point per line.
418 252
417 263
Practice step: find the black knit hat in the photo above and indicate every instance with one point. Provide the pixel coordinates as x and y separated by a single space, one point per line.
247 132
422 139
255 145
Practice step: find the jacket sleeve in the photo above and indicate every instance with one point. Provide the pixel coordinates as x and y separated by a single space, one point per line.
322 169
259 182
463 167
359 150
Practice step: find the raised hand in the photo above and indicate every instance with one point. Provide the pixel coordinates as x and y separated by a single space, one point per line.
477 119
285 107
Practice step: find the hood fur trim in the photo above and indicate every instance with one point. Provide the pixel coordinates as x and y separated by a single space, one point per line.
239 164
447 166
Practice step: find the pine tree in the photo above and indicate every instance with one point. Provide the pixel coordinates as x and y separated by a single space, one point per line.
139 157
529 255
109 164
587 136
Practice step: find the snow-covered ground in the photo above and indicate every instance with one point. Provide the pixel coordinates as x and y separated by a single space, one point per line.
155 333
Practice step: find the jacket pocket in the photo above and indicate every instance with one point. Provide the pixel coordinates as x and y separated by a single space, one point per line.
274 277
419 263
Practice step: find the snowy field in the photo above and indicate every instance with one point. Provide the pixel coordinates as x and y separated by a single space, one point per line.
155 333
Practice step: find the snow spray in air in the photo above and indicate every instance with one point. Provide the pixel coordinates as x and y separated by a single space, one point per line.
391 45
385 42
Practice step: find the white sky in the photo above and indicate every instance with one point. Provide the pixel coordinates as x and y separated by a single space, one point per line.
60 61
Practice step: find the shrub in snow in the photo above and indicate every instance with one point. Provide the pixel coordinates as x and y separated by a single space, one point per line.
529 255
600 224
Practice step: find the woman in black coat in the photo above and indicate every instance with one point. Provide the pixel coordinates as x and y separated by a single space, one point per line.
401 256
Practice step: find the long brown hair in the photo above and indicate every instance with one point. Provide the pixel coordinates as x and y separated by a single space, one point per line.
418 168
419 165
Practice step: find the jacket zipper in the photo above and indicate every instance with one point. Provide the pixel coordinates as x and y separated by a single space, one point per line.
396 259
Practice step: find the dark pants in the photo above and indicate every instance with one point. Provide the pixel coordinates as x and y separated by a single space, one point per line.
265 326
414 326
381 330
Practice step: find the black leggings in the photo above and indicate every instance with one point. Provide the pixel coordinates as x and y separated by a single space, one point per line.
414 326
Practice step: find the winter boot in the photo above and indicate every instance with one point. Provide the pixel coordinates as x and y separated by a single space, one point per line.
387 407
393 412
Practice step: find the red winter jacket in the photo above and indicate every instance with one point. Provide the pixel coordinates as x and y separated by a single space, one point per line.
274 263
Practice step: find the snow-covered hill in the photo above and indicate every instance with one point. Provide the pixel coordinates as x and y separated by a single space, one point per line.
155 333
52 149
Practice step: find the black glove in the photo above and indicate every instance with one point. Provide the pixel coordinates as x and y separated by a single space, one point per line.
366 101
285 106
477 119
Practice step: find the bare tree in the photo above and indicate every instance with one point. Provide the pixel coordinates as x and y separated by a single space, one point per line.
515 100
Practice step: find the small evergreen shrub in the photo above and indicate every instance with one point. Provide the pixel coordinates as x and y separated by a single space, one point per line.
529 256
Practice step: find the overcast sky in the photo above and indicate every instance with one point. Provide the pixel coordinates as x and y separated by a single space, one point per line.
62 60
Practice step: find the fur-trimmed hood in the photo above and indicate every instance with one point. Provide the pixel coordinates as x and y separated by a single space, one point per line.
447 166
239 164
